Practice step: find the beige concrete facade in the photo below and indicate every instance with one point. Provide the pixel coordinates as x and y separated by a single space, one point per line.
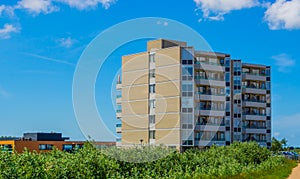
156 110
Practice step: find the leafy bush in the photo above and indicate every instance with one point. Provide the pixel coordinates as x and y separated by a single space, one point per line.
240 160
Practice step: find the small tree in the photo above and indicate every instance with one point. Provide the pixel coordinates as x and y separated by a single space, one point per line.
284 142
276 145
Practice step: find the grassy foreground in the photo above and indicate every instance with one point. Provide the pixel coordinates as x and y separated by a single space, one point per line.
240 160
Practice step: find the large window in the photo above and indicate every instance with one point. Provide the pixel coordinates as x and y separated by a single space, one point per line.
152 119
152 73
152 103
152 58
45 147
151 88
152 134
68 147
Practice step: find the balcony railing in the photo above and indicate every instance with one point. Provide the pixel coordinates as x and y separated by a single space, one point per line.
255 140
210 124
210 93
255 74
254 100
254 87
213 109
119 110
119 96
207 78
119 82
254 114
255 127
209 63
210 139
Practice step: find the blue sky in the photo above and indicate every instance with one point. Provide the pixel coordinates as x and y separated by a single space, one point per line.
41 42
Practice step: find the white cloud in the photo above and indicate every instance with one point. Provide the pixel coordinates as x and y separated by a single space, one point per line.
2 8
283 15
284 62
85 4
7 10
276 134
37 6
66 42
6 31
216 9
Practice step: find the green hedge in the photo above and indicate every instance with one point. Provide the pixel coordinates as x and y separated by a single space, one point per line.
240 160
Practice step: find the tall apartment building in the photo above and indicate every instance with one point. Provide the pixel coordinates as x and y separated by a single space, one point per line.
177 96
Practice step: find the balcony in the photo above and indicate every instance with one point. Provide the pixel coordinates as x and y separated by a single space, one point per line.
119 99
211 112
210 139
254 76
255 140
119 142
254 116
203 143
209 66
119 113
254 90
119 128
208 96
119 85
210 127
220 82
254 103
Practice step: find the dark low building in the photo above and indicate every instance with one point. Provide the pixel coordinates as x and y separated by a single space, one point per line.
43 142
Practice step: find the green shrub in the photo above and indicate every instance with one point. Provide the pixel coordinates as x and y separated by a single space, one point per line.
240 160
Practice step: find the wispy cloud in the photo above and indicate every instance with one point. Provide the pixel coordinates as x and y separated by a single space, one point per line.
49 59
2 8
283 14
37 6
4 93
284 62
66 42
87 4
5 32
216 9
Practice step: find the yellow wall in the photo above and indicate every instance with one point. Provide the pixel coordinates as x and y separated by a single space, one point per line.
129 138
167 136
8 142
135 93
135 122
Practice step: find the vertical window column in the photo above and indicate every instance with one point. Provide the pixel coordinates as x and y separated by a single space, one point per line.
151 96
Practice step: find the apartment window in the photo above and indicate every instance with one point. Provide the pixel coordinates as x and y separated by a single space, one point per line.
187 71
152 103
152 73
237 80
6 148
152 58
237 66
227 62
187 142
119 108
68 147
187 54
227 76
187 89
151 88
152 119
152 134
45 147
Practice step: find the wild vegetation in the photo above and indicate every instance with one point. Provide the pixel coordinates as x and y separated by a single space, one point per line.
240 160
